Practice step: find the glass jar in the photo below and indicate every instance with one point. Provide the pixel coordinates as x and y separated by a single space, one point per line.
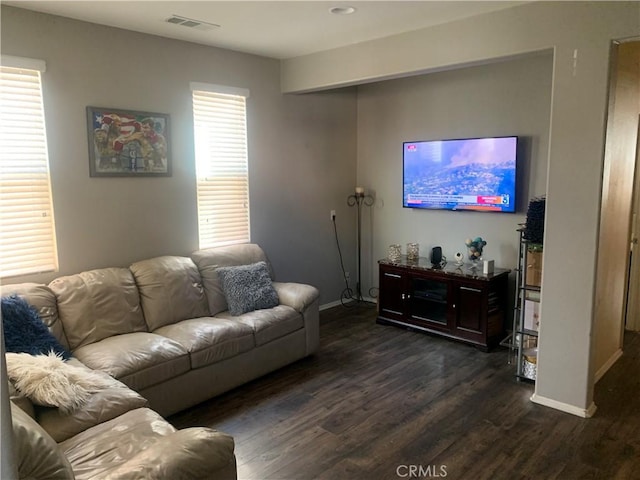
413 251
395 252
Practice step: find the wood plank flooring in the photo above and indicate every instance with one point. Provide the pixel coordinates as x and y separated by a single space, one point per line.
380 402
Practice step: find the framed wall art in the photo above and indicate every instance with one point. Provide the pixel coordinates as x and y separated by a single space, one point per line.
128 143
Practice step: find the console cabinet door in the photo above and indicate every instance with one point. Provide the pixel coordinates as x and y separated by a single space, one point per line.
392 294
429 303
470 312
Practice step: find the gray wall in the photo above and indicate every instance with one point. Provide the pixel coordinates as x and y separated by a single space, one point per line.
302 150
580 35
506 98
83 59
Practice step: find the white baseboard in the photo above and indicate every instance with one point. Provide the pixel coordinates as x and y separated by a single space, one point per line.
565 407
608 364
370 300
329 305
339 302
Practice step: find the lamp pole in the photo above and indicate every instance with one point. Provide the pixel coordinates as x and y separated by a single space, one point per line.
358 199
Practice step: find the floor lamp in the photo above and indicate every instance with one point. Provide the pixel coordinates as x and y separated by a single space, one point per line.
358 199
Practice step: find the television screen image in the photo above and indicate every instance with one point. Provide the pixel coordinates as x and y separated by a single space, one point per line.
468 174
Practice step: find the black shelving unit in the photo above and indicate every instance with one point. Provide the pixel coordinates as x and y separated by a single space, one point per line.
527 338
522 341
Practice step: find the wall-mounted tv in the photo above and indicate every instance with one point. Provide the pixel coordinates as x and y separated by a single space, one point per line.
467 174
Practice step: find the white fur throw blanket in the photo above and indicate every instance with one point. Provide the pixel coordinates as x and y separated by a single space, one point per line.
47 380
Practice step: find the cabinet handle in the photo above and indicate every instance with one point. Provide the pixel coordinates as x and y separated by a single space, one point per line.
477 290
392 275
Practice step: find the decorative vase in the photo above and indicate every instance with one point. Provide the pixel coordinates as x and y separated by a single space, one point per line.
413 251
394 252
475 263
474 250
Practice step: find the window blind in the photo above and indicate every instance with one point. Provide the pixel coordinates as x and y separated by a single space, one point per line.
27 229
220 130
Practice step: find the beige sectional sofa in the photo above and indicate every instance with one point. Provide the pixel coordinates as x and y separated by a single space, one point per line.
161 327
114 436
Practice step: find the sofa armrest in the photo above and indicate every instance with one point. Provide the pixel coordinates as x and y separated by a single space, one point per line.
188 454
296 295
305 299
37 455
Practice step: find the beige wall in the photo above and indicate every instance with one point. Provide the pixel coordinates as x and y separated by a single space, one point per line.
302 150
505 98
580 34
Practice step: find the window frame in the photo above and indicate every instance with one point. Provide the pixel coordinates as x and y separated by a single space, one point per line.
28 242
222 164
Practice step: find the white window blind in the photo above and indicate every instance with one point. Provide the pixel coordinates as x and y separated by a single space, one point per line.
220 129
27 230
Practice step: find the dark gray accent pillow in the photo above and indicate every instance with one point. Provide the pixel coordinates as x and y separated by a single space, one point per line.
247 288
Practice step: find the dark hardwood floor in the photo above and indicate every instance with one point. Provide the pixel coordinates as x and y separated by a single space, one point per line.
379 402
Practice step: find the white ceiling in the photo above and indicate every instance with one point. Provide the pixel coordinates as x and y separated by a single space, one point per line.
280 30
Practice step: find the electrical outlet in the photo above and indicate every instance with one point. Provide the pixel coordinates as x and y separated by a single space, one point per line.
347 275
333 215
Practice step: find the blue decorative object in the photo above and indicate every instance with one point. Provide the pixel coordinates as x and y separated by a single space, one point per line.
24 331
475 247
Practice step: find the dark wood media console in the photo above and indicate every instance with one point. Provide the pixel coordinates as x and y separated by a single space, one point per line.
454 302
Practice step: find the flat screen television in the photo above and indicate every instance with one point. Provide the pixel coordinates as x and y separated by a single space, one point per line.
466 174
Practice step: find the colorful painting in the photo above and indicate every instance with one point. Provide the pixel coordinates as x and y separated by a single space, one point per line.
128 143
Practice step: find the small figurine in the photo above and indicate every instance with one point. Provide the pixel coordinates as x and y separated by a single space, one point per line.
475 247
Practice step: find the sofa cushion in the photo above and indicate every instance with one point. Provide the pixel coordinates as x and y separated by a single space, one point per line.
21 400
210 259
37 454
111 443
209 340
138 360
25 332
247 288
204 454
107 403
170 290
44 301
267 325
98 304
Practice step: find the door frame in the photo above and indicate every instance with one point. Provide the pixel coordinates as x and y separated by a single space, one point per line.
632 314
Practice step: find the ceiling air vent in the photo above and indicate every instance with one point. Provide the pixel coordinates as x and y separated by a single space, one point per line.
191 23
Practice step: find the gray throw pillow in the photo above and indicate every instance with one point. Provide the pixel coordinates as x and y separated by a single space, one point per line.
248 288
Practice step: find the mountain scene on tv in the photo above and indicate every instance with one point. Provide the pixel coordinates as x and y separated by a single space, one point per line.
460 173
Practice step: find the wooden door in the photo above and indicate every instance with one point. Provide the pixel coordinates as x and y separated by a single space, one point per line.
613 269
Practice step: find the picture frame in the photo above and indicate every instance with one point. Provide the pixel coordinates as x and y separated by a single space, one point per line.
128 143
